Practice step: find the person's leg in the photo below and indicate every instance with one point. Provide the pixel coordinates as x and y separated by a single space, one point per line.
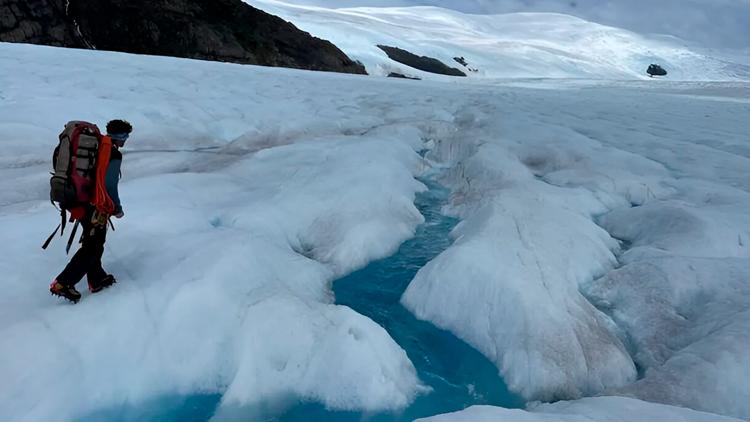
96 273
82 260
97 239
64 284
97 277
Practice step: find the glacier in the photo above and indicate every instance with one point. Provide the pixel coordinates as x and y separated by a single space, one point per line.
239 215
615 409
601 248
619 227
508 45
692 20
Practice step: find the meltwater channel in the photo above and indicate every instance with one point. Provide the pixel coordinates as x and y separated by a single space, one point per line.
458 375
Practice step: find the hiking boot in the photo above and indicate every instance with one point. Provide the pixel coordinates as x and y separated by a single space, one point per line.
68 292
102 284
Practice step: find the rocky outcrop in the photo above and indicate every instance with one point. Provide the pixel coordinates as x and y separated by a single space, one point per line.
402 76
36 22
462 61
656 70
222 30
423 63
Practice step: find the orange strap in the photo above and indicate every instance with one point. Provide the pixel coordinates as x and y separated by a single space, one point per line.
101 200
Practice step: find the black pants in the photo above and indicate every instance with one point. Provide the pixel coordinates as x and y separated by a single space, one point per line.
88 259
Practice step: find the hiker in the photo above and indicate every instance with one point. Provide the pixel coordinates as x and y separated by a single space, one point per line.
94 216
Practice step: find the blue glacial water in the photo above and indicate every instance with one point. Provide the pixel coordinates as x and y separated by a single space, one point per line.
458 375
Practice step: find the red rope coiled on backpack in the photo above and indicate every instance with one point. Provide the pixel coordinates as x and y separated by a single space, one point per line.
101 200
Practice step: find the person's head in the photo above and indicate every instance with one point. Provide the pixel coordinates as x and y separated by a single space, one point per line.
119 131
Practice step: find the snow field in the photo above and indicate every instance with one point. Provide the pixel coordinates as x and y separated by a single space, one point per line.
247 190
225 256
509 250
537 180
614 409
689 19
512 45
682 296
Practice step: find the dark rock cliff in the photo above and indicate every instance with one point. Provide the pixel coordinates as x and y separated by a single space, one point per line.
222 30
36 22
423 63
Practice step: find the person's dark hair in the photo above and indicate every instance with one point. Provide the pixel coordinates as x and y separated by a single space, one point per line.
119 126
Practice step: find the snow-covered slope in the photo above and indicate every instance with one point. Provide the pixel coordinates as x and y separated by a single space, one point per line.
247 190
545 182
214 293
694 20
597 409
515 45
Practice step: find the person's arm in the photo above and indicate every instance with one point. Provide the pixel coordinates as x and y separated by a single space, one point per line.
111 182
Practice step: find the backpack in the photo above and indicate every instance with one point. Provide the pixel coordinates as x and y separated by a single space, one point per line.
74 164
73 183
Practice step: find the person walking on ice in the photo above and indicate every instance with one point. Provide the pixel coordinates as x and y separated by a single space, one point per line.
85 184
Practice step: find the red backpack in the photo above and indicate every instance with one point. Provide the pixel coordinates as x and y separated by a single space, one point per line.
80 163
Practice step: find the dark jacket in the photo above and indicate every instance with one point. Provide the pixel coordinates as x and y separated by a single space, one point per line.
113 178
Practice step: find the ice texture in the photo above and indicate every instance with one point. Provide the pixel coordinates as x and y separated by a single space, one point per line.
604 229
594 409
240 211
599 236
683 297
